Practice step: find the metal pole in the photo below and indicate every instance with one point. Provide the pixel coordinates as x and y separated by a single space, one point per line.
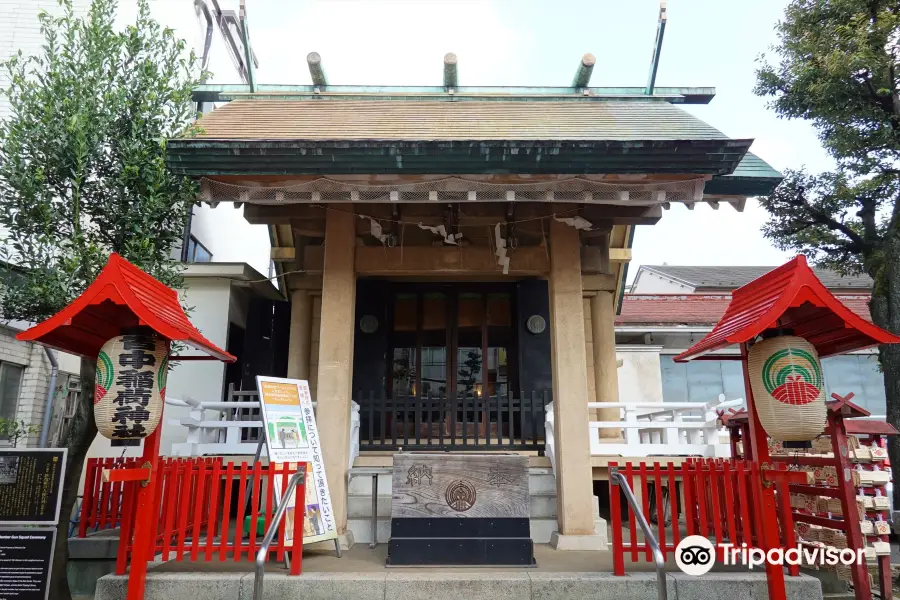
51 394
374 510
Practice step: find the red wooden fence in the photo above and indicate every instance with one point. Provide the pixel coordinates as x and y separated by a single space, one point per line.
101 503
201 509
714 498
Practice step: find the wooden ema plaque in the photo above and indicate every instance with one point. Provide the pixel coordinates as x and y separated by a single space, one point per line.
460 509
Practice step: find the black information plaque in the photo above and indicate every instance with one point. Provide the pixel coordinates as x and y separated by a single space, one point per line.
31 485
26 555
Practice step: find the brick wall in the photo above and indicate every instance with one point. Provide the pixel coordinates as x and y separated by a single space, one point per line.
35 379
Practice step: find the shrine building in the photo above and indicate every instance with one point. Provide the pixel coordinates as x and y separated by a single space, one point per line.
455 257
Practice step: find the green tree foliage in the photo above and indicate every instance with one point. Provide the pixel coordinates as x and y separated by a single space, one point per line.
839 68
83 174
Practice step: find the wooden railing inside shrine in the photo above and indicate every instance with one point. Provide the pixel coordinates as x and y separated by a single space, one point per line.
513 421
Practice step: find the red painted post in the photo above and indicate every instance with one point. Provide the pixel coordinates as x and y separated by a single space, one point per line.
632 521
226 511
170 475
687 481
645 506
885 582
198 508
211 522
744 504
714 482
254 507
660 508
144 528
86 499
759 445
615 510
239 520
125 531
673 500
299 516
185 475
285 475
730 510
852 530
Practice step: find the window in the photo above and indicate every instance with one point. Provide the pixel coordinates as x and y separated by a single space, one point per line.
197 252
704 380
857 373
701 380
10 382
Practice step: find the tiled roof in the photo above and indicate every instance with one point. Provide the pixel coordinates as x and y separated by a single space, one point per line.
791 298
470 120
672 310
121 297
731 277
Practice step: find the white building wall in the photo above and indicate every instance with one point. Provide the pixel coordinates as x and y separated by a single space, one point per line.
20 30
648 282
640 377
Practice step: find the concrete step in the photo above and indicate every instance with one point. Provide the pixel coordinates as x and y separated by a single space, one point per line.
436 584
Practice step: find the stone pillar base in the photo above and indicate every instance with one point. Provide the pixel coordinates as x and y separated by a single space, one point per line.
590 543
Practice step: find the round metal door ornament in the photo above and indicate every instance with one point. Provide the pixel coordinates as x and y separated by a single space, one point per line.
460 495
368 324
536 324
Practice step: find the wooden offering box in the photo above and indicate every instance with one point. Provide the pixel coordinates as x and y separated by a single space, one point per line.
460 509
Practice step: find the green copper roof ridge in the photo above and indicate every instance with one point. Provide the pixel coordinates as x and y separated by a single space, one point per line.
676 95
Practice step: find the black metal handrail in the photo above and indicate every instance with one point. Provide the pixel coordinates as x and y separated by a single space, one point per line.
461 422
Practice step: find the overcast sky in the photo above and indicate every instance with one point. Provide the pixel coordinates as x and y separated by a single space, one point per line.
539 42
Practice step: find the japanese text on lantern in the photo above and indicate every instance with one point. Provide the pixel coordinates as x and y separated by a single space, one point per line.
134 386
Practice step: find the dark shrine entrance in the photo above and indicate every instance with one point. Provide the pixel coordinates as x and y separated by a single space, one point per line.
439 365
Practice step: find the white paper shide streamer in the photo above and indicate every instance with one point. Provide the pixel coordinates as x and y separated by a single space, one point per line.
502 258
375 229
577 222
442 231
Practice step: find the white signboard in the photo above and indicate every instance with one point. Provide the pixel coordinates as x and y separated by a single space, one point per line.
292 437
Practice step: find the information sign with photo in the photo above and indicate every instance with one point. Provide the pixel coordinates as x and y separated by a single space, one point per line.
31 485
292 437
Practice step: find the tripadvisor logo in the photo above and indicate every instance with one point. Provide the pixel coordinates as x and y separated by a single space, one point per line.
696 555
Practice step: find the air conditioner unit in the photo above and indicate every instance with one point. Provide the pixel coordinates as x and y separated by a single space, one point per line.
73 385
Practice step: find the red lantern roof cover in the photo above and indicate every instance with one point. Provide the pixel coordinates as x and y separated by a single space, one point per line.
122 297
791 297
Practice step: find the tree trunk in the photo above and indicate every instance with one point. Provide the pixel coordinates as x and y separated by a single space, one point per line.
81 433
885 308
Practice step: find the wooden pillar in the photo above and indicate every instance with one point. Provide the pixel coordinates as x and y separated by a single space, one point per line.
606 377
300 339
574 484
336 356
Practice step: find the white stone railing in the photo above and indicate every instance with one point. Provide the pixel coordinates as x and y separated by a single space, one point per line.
654 429
549 436
662 429
219 433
